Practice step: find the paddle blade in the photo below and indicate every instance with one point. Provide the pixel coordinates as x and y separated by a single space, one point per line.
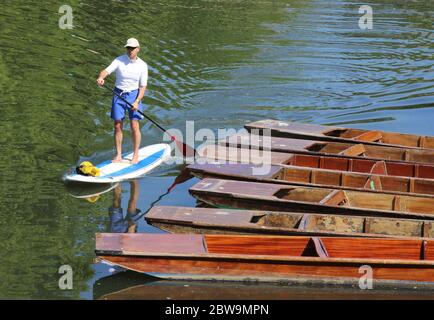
183 176
186 150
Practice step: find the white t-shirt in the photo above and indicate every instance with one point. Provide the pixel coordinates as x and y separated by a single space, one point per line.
129 74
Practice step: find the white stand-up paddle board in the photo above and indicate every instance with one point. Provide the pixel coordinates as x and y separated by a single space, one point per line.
150 157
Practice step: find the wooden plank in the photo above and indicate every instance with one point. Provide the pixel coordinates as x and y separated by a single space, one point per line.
377 183
351 164
304 160
411 185
320 247
421 142
367 225
311 269
335 198
423 250
396 203
343 179
426 226
416 171
304 221
369 136
373 183
371 247
255 245
354 151
321 162
132 243
313 174
379 168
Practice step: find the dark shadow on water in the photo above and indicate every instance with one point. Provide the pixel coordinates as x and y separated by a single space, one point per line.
129 285
119 281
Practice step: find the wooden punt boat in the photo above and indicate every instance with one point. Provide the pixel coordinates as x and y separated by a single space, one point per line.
244 155
227 221
269 258
328 133
275 197
294 175
224 154
336 149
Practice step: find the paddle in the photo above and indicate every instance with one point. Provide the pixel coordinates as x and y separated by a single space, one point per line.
187 151
182 177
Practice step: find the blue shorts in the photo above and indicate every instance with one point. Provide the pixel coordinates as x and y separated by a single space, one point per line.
117 222
119 107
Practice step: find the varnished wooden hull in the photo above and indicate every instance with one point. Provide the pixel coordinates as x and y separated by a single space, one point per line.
336 149
269 258
274 197
226 221
293 175
339 134
242 155
269 271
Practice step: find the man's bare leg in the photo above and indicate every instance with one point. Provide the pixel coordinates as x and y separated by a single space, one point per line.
135 131
117 196
118 126
132 205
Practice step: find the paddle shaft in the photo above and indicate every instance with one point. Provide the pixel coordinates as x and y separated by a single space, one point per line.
131 106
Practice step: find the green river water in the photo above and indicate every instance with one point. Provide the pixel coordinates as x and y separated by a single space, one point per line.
219 63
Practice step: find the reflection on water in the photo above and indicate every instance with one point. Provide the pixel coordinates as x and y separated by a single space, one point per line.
219 63
118 222
90 192
121 220
130 285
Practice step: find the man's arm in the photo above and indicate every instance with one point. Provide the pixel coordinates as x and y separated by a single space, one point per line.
102 75
139 97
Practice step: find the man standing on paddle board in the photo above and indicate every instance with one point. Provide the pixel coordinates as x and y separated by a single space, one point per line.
131 81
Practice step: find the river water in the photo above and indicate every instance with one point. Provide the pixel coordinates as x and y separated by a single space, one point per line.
220 64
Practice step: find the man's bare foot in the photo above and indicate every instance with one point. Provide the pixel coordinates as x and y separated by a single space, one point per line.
134 160
117 159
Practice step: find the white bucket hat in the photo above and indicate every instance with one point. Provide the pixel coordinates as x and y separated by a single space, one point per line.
132 42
